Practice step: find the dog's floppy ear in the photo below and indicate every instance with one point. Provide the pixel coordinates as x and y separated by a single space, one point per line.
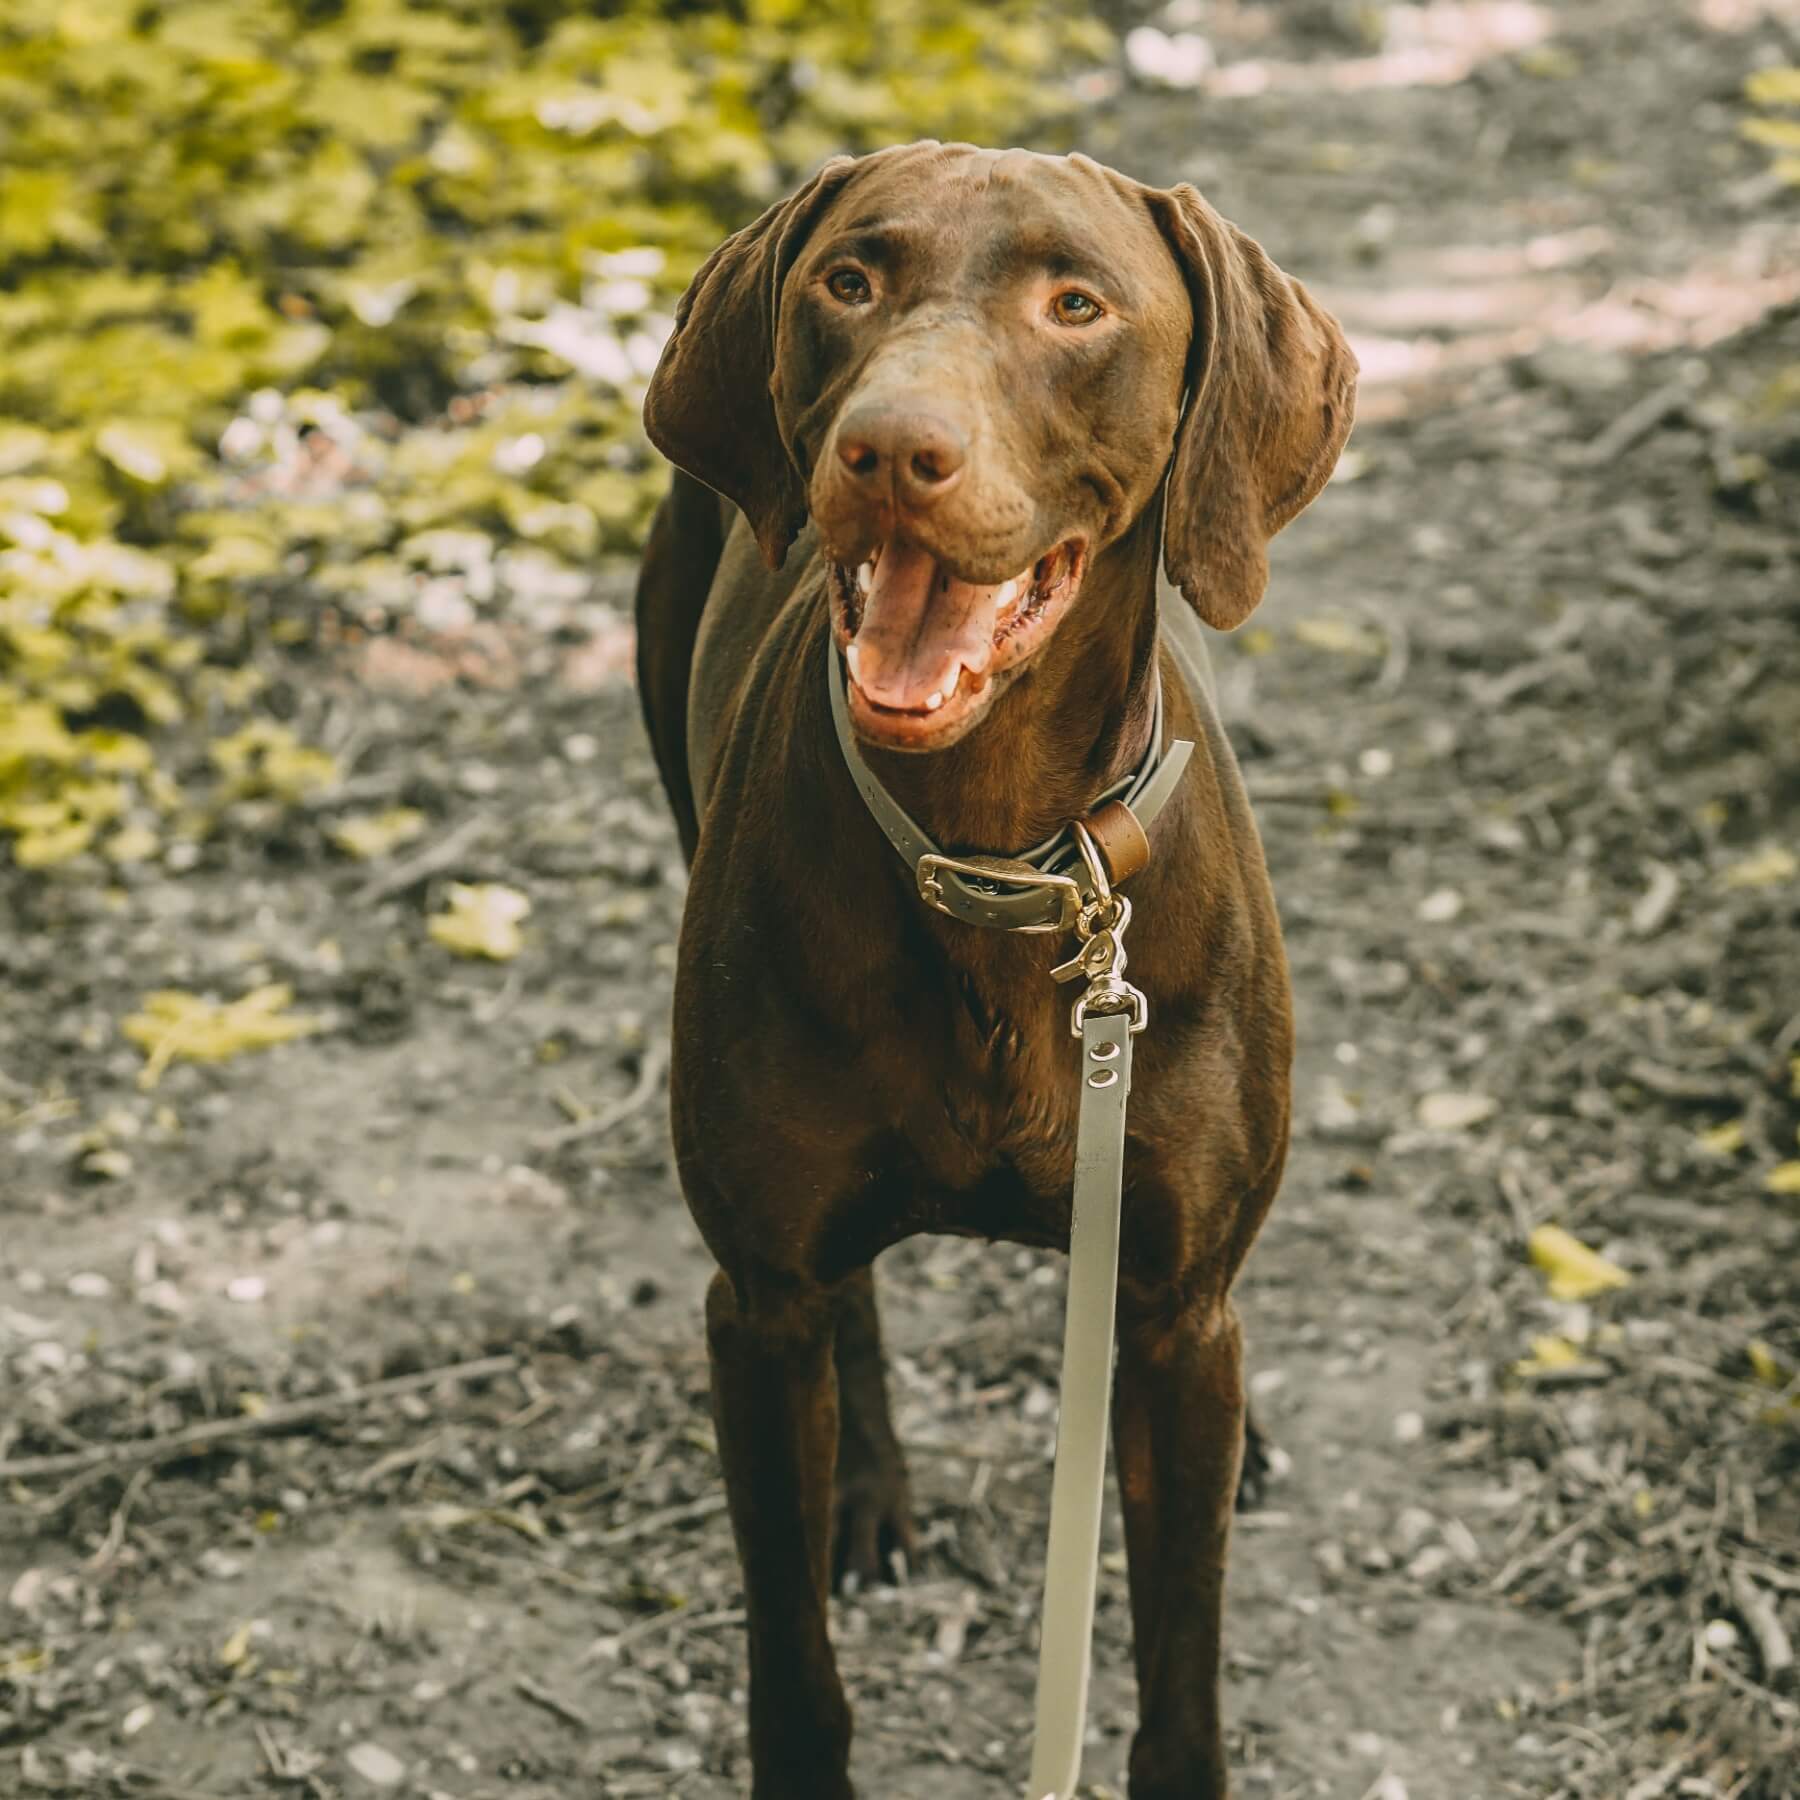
709 409
1271 395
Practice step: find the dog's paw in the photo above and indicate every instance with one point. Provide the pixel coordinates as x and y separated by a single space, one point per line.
1265 1463
872 1536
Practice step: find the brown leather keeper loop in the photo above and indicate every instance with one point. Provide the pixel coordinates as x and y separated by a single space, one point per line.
1123 844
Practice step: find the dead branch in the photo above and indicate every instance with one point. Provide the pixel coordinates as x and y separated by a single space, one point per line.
1758 1612
137 1452
432 860
651 1068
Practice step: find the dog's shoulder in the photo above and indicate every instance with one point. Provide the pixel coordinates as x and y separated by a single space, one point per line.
747 598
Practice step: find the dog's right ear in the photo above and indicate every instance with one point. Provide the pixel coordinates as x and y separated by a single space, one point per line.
710 410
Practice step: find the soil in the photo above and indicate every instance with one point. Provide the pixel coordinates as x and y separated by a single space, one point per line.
1522 720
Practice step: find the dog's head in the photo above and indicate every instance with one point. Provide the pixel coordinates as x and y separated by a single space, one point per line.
975 369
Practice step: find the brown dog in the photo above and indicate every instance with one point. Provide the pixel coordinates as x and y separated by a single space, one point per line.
999 383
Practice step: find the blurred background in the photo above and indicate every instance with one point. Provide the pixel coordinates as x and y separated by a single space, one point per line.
353 1429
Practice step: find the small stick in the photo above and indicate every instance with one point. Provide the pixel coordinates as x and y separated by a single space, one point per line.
639 1629
114 1540
1635 423
1758 1612
407 1457
1398 658
542 1696
428 862
1542 1552
272 1752
651 1067
650 1522
135 1452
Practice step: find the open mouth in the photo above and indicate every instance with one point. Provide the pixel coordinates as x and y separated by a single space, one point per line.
925 651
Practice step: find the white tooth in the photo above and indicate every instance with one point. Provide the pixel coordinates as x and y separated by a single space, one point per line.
865 577
850 654
933 702
1004 598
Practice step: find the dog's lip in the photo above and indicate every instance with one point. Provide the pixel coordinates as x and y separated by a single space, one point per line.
1024 623
904 728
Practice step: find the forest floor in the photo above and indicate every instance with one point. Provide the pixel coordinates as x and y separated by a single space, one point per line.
1521 717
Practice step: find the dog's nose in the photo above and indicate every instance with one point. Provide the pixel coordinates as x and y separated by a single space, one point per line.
918 453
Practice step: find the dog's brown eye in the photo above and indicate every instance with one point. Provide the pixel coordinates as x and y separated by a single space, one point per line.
1076 308
850 286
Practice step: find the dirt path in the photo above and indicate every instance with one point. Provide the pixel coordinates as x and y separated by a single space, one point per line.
1482 709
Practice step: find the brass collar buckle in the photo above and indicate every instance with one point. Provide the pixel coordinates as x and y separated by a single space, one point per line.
1006 878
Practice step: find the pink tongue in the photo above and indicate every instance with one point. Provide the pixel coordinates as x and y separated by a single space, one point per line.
920 628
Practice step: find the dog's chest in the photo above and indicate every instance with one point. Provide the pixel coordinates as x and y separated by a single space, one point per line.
1004 1095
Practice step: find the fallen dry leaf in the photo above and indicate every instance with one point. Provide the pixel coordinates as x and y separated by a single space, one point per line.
368 835
1455 1112
1764 868
1550 1351
1341 636
1575 1271
482 920
176 1024
1724 1140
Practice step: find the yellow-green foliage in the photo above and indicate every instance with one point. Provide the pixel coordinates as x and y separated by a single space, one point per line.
1777 93
229 228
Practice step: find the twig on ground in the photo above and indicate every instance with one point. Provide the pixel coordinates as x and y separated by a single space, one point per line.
551 1703
1542 1552
432 860
407 1457
114 1540
639 1629
651 1068
1392 675
1758 1612
273 1754
137 1452
651 1522
1636 423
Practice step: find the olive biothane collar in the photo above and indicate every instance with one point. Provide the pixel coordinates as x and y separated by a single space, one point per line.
1040 889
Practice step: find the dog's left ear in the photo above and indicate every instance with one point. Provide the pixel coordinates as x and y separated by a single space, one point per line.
1271 396
710 410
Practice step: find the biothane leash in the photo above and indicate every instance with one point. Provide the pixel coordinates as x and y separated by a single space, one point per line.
1063 884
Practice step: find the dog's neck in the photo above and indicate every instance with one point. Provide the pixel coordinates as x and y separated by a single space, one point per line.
1076 721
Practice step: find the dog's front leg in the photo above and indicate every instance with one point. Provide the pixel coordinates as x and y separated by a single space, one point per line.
775 1404
1178 1432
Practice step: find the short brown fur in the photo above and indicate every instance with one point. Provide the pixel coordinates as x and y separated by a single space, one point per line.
851 1068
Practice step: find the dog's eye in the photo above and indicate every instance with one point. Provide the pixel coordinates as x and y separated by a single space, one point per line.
1076 308
850 286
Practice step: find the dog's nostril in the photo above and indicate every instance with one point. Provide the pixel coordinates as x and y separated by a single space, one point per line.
858 458
918 453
